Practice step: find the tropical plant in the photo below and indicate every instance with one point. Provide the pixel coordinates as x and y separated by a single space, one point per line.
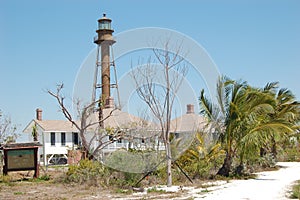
286 109
201 158
34 133
245 119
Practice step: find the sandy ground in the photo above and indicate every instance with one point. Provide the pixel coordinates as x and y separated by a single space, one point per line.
268 185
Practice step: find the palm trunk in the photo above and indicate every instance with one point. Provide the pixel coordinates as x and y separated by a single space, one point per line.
239 170
226 167
263 151
274 148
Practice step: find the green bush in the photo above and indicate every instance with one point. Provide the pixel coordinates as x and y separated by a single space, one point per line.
267 161
124 179
94 173
87 171
202 164
292 155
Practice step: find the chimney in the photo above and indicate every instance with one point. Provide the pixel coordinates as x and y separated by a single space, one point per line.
109 102
39 114
190 109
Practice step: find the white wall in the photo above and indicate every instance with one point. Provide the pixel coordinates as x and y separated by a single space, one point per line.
58 148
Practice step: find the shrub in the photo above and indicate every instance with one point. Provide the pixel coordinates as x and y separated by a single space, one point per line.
267 161
94 173
124 179
5 179
292 155
87 171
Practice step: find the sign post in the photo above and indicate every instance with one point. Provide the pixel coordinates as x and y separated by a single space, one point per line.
21 156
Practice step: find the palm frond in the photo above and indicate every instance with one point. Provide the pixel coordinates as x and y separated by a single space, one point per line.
271 87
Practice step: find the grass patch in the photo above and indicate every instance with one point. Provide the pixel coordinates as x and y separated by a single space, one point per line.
5 179
123 191
205 190
296 191
18 193
155 190
40 179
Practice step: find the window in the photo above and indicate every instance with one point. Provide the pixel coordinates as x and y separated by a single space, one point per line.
75 138
63 138
105 25
52 138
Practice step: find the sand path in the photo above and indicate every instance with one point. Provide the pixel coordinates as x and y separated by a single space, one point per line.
268 185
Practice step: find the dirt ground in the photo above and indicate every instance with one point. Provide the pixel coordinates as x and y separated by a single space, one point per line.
23 186
267 185
29 190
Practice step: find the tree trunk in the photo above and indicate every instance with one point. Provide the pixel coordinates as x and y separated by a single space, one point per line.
274 148
169 164
263 151
239 169
226 167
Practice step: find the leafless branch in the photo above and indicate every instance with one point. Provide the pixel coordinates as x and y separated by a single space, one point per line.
161 105
7 129
86 121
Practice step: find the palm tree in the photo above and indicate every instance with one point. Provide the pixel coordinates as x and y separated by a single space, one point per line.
225 116
244 117
286 109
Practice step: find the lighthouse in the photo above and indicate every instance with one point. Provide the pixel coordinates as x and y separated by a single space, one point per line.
102 77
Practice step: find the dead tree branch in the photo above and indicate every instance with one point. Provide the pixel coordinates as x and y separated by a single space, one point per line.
86 124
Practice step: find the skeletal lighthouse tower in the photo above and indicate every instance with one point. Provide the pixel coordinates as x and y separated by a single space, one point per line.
104 40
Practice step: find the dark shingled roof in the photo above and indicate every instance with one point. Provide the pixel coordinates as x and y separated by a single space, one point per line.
20 145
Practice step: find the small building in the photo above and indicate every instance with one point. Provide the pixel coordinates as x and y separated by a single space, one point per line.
56 136
183 129
188 122
59 136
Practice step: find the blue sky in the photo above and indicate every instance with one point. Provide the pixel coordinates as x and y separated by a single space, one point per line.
44 42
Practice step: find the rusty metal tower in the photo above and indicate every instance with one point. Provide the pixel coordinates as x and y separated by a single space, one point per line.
105 61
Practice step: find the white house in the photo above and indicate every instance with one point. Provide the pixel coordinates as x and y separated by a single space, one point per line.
59 136
56 136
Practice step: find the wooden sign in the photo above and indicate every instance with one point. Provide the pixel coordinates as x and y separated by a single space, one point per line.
21 156
20 159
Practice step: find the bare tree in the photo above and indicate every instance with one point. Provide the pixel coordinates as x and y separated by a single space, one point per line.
160 97
88 124
7 129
